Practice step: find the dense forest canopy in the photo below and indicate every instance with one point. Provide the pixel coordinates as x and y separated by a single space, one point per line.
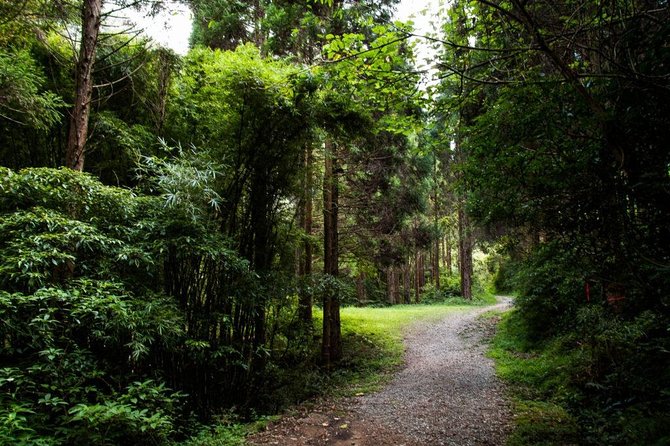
170 224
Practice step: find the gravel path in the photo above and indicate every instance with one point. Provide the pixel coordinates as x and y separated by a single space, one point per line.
447 394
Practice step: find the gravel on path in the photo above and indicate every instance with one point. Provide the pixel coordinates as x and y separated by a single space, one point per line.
447 394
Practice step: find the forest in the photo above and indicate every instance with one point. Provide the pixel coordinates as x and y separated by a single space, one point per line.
178 233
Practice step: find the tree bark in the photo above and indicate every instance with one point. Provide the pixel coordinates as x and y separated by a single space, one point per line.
390 285
259 16
447 254
78 132
331 348
166 67
420 279
436 222
306 221
464 252
406 287
361 294
436 263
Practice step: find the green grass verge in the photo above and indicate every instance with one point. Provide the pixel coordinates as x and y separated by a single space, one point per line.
539 381
228 432
373 343
373 349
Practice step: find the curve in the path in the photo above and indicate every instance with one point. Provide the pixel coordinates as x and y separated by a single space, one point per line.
447 394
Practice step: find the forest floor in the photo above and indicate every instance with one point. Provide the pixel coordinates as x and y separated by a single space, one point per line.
446 394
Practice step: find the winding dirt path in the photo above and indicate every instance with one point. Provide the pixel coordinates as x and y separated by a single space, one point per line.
447 394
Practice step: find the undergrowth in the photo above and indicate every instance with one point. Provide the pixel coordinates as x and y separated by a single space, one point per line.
538 376
373 349
559 398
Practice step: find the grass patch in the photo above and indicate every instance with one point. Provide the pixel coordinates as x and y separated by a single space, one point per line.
566 390
539 378
373 343
373 349
542 423
228 431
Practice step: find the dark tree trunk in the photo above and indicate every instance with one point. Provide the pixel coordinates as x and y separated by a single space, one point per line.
260 257
331 348
436 222
306 221
407 288
78 132
165 70
361 294
415 270
447 254
465 243
259 14
419 276
436 263
393 285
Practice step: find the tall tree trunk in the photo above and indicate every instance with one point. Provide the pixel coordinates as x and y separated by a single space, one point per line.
166 66
361 294
436 223
259 14
420 279
261 242
306 221
406 287
417 286
422 269
390 284
447 254
464 252
78 132
436 263
394 285
331 348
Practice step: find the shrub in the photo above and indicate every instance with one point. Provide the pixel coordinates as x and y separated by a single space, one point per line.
79 330
551 289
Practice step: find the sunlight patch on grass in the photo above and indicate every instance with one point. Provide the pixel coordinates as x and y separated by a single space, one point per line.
373 342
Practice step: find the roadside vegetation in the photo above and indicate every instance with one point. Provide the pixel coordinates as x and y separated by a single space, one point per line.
373 351
170 225
595 385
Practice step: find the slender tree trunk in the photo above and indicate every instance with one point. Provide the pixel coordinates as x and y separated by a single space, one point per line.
464 252
436 267
259 14
447 254
419 281
422 270
361 294
398 284
305 263
407 289
417 291
436 223
395 279
390 284
165 69
78 132
261 257
331 348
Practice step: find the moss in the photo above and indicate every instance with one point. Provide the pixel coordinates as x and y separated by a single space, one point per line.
542 423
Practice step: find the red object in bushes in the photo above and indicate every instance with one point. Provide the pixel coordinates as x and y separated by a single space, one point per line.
587 290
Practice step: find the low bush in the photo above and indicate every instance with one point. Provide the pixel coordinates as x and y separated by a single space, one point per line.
602 383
